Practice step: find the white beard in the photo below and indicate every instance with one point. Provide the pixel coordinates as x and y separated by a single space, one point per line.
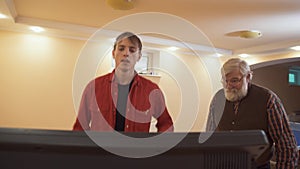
234 95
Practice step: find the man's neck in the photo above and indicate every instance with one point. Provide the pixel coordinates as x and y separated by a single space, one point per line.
124 77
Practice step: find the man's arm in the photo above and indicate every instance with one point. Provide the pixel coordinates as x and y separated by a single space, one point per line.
285 144
216 110
164 120
83 117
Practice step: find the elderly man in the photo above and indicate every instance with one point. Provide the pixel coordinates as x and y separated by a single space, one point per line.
242 105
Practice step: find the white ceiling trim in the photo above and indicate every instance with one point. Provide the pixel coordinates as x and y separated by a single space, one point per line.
185 45
55 25
89 31
82 32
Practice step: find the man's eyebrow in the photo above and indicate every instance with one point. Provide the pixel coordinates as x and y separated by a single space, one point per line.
131 47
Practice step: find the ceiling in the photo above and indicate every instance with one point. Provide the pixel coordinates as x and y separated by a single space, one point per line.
278 20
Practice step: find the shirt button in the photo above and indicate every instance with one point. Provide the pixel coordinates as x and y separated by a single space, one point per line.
127 126
232 123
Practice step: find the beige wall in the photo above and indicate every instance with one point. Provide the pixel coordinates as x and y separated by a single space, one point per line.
188 103
36 80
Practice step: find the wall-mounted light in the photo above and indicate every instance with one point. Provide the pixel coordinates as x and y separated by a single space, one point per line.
37 29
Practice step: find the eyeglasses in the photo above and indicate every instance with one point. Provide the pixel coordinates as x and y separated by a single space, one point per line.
233 81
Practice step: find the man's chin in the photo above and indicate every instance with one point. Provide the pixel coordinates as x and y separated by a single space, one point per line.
231 98
123 68
231 95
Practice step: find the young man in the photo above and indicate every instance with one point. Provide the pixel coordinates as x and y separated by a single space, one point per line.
122 100
242 105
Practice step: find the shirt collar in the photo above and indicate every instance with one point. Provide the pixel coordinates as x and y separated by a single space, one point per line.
136 79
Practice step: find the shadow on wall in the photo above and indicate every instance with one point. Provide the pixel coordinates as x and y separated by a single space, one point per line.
275 76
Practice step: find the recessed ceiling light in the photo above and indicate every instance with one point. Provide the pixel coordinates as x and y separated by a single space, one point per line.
173 48
219 54
295 48
2 16
37 29
244 55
